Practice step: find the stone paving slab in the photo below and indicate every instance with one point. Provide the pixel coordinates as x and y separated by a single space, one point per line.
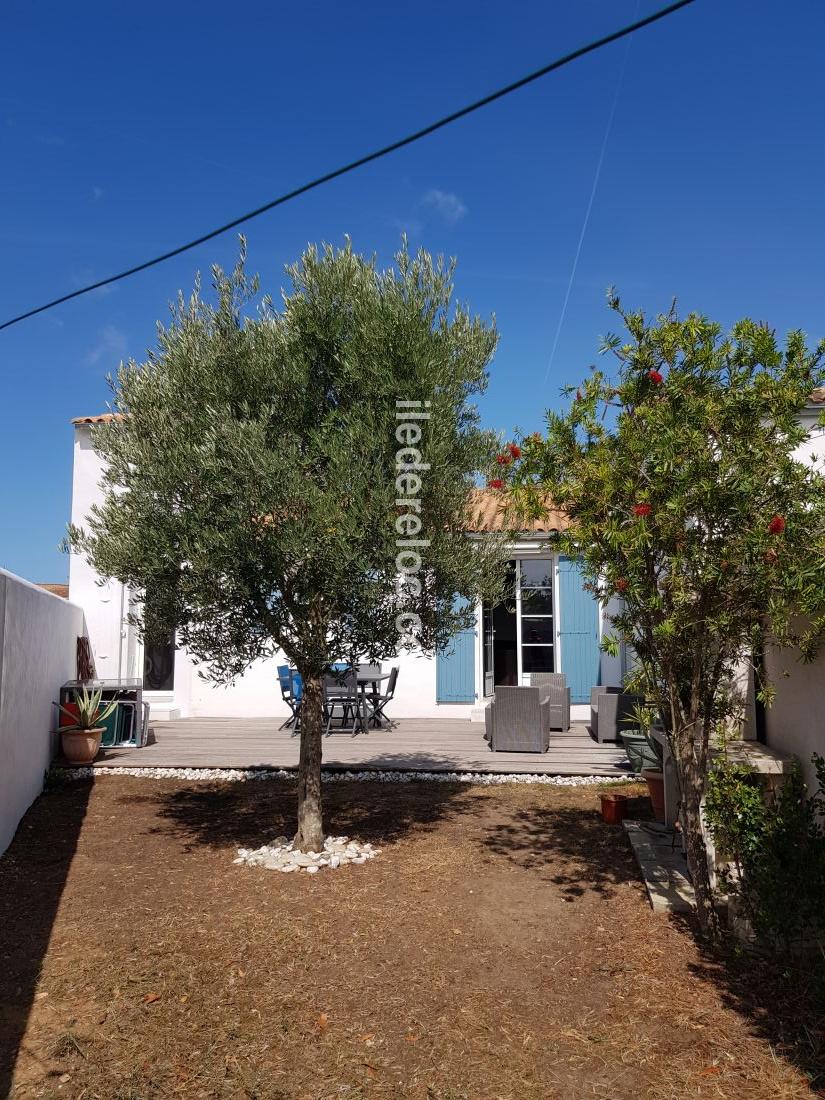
662 862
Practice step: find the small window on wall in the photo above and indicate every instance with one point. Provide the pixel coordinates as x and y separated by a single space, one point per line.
159 665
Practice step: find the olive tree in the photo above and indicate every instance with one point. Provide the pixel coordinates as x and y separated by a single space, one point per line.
686 502
295 478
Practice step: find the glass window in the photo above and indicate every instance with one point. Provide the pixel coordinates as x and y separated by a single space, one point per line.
536 601
537 658
537 573
159 666
536 631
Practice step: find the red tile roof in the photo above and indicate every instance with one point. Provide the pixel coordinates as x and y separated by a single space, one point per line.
101 418
61 590
488 512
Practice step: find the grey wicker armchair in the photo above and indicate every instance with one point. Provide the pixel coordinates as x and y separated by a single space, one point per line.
610 707
559 694
518 720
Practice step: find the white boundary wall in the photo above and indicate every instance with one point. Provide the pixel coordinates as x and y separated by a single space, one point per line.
38 646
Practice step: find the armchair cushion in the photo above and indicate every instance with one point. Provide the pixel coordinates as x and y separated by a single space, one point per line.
519 720
610 707
553 686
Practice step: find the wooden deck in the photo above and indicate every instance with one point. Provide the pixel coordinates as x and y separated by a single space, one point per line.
414 744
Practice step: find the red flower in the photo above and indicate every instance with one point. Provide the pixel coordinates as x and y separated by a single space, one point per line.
655 377
514 449
496 483
642 509
503 459
777 525
622 584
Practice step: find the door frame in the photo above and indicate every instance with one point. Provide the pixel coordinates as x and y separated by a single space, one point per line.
523 553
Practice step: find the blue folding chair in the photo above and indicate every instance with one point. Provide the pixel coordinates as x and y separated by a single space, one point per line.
286 680
297 696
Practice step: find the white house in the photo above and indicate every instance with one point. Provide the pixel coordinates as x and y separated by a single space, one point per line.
795 722
551 624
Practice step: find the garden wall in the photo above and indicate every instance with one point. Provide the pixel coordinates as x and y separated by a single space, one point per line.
38 645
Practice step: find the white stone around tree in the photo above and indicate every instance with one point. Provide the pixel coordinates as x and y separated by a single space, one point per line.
281 856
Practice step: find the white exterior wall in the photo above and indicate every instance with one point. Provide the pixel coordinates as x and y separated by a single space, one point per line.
795 722
257 694
813 449
38 652
104 602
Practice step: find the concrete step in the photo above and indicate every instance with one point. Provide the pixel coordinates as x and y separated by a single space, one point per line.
163 712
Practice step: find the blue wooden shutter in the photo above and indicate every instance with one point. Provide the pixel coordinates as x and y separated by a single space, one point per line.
455 667
578 632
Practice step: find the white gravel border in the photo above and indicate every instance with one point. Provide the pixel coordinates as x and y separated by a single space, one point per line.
246 775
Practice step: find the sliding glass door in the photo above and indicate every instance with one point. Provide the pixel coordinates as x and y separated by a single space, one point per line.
518 635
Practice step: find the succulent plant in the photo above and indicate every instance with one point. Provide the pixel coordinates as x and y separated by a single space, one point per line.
90 711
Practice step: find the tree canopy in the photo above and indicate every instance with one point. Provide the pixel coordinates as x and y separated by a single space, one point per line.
279 470
689 508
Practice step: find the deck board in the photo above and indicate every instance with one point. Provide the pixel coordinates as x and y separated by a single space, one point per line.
414 744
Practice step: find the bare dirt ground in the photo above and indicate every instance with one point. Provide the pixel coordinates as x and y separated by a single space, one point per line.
501 946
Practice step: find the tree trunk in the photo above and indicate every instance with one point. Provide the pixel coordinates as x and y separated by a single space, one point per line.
310 835
692 789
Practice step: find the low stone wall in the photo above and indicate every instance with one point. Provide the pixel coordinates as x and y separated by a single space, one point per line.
38 644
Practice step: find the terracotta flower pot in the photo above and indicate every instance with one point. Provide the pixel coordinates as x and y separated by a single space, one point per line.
81 746
656 789
614 808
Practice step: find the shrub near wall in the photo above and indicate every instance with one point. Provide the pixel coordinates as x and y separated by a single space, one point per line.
776 849
38 641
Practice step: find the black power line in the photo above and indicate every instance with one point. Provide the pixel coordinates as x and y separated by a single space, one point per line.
376 155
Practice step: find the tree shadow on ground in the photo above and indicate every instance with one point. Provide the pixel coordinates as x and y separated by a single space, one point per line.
783 1000
33 873
571 847
224 815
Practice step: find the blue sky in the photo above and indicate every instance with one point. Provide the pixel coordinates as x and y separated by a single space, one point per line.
124 133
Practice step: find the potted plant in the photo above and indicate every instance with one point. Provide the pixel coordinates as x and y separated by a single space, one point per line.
656 789
641 750
80 736
645 755
614 807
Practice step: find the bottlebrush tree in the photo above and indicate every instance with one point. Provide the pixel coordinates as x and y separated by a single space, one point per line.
680 476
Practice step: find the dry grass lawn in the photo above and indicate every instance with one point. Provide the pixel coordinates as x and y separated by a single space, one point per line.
500 947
